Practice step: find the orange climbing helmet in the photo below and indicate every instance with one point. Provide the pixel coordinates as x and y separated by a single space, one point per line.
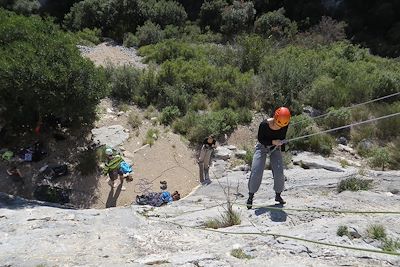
282 116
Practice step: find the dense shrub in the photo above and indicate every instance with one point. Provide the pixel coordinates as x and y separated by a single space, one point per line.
354 184
89 37
286 76
113 17
336 118
380 158
41 70
237 17
275 24
171 49
303 125
196 126
387 128
149 33
211 14
124 82
250 52
165 12
130 40
24 7
199 102
168 114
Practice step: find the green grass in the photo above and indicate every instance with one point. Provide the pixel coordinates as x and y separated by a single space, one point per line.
228 218
240 254
134 120
344 163
390 245
151 137
376 231
342 230
354 184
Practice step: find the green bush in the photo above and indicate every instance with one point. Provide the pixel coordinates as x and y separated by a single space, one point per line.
251 50
41 70
302 125
168 114
394 152
24 7
387 129
240 254
130 40
170 49
124 82
286 76
380 158
87 162
342 231
163 12
337 117
211 14
149 33
390 245
354 184
113 17
134 120
199 102
245 116
89 37
151 137
376 231
237 17
228 218
196 126
275 24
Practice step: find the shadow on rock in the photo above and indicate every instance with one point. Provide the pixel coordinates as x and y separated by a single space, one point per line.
112 198
275 215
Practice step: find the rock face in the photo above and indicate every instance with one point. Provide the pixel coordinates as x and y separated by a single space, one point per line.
111 136
223 153
311 161
32 233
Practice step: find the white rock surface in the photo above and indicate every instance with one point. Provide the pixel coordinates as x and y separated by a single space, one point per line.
221 152
313 161
32 233
112 136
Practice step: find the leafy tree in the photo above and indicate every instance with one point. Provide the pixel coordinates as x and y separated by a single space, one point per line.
43 74
237 17
275 24
211 14
149 33
166 12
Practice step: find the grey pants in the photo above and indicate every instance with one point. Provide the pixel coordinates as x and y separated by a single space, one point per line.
204 163
258 166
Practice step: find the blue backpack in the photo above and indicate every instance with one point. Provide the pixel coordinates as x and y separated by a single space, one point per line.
125 168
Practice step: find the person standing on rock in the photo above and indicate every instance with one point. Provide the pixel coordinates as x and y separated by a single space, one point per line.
205 159
112 168
271 136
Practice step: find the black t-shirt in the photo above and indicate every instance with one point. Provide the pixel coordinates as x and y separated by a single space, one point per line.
266 134
207 144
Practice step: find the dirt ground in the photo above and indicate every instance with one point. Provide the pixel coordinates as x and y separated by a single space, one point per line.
169 159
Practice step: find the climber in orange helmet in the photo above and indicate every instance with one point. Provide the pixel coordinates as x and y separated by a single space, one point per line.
271 139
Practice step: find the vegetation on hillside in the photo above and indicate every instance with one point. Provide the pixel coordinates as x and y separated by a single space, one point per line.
215 62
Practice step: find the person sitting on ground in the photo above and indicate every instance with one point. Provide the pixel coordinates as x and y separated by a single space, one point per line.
205 159
112 168
271 134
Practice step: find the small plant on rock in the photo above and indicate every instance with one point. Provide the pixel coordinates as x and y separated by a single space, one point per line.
342 230
240 254
151 137
376 231
134 120
354 184
390 245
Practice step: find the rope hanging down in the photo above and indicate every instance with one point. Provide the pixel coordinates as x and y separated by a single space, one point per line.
353 106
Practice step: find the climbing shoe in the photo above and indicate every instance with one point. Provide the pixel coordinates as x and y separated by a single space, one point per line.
250 201
279 199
